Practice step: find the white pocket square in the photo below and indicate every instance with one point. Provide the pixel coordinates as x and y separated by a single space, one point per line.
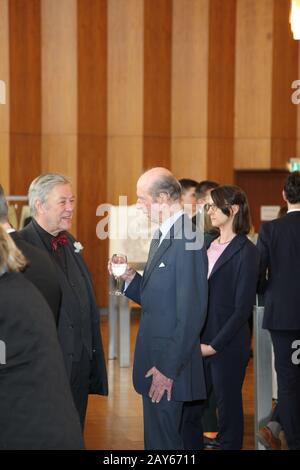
162 265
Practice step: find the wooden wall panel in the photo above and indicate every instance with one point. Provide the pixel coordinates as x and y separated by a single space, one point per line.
263 188
189 158
157 82
125 98
221 75
92 134
25 93
59 85
285 71
4 108
189 88
253 84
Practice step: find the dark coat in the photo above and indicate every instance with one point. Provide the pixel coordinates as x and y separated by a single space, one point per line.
232 288
279 246
98 378
41 272
36 405
174 301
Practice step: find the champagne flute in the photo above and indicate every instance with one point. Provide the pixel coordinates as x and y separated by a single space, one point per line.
118 267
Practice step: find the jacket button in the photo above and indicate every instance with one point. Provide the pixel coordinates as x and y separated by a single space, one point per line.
71 326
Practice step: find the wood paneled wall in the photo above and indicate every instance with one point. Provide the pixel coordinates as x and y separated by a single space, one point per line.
4 109
25 92
103 89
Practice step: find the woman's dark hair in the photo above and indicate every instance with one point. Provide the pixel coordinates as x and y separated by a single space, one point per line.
226 196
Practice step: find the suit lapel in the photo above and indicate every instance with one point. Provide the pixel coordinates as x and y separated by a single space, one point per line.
33 236
229 252
165 244
163 247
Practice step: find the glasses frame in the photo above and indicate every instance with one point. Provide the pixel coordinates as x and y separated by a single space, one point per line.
213 207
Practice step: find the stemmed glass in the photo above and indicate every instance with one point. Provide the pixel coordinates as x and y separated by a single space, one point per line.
118 268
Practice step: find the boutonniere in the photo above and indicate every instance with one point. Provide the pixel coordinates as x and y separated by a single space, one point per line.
78 247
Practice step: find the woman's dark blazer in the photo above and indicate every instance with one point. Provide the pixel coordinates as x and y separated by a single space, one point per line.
36 405
232 289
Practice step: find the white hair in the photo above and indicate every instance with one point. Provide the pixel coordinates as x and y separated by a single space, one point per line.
42 186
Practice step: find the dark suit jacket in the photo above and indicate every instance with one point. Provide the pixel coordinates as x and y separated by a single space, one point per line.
41 272
173 300
232 287
279 245
36 405
98 378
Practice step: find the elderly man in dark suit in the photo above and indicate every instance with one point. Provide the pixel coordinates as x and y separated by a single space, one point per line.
168 368
51 202
279 245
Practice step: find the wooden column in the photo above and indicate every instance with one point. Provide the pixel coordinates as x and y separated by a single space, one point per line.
125 98
92 135
25 93
253 84
157 82
284 72
189 88
221 79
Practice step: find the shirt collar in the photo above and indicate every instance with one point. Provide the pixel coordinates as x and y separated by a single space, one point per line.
293 210
167 224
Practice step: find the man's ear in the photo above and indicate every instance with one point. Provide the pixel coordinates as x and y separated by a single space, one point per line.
163 198
284 196
39 206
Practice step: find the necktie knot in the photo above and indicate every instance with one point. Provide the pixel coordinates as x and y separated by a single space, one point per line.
59 240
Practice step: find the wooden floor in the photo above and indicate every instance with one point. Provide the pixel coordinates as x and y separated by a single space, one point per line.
115 422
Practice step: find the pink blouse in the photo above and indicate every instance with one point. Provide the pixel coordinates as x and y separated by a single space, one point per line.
214 252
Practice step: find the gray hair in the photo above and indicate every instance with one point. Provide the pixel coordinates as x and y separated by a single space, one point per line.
166 184
42 186
3 206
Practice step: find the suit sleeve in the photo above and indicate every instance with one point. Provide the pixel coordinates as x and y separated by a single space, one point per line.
191 307
244 298
133 291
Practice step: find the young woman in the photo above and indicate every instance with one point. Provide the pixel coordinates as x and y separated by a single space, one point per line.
225 341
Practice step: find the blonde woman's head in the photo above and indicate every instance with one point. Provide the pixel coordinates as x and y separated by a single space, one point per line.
11 258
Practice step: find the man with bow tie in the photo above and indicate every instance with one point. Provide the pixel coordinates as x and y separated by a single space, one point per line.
52 203
168 370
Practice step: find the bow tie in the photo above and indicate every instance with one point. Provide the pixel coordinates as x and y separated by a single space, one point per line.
60 240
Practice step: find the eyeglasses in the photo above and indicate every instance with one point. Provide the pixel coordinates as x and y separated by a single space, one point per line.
214 207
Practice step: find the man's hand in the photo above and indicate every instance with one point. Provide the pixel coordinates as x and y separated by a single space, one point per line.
160 385
127 276
207 350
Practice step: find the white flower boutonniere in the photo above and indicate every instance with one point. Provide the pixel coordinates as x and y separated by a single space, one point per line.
78 247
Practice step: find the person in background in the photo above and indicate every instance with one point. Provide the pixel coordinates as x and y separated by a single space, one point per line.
209 418
188 197
233 266
39 269
52 203
36 405
271 435
279 246
203 190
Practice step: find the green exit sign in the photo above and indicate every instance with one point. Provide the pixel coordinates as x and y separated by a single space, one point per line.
295 164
